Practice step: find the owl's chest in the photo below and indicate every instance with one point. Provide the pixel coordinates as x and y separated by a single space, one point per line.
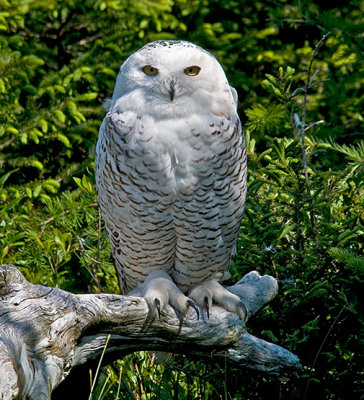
177 155
183 145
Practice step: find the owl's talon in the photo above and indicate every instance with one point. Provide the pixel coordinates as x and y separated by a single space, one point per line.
210 292
206 301
158 306
242 311
193 305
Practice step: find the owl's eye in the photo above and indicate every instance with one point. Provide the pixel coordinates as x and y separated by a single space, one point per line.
149 70
192 71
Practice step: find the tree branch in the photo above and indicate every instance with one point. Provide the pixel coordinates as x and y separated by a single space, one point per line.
46 332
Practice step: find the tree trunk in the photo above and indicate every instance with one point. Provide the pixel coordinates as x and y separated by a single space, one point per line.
46 332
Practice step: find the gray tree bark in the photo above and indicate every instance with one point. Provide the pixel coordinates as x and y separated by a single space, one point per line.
46 332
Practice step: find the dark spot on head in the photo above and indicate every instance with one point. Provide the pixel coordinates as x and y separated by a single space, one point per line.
168 43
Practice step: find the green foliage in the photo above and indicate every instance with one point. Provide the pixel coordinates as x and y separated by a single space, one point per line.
178 378
304 218
348 258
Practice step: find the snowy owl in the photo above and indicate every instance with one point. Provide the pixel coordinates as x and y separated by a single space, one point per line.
171 177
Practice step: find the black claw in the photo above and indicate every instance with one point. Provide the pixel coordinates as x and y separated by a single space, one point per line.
242 311
206 300
158 306
193 305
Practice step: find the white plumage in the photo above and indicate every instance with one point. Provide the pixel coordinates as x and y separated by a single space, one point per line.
171 176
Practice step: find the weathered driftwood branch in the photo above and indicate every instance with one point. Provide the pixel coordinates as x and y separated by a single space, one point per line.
45 332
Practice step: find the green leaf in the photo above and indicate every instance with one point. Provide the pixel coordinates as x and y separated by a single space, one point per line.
43 125
37 191
87 97
34 134
287 229
24 138
12 130
85 184
272 79
60 116
348 257
2 86
32 61
37 164
6 176
64 139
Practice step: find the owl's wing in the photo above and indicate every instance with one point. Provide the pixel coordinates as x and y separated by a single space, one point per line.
134 197
235 95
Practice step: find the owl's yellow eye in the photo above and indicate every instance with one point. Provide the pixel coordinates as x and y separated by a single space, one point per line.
149 70
192 71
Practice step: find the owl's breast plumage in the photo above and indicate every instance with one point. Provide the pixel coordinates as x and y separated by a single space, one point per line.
172 192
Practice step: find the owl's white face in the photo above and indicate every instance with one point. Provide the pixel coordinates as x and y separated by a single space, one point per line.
172 78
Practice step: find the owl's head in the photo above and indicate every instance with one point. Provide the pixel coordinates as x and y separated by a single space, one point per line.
173 78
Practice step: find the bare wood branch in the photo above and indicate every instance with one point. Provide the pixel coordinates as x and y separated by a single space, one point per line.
7 143
45 332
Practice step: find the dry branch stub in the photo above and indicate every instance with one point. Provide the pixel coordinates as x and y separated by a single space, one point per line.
45 332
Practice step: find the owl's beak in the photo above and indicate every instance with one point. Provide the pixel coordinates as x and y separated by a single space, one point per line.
172 90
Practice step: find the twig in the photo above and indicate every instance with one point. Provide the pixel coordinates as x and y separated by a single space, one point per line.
45 223
7 143
98 238
304 20
293 124
93 273
99 366
84 251
308 85
313 124
98 249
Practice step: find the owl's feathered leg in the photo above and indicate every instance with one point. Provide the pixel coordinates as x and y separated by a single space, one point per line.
211 291
159 290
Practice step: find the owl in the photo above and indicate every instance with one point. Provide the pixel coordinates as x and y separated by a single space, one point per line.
171 177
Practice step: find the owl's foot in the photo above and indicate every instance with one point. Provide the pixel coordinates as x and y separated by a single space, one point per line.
159 290
211 291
